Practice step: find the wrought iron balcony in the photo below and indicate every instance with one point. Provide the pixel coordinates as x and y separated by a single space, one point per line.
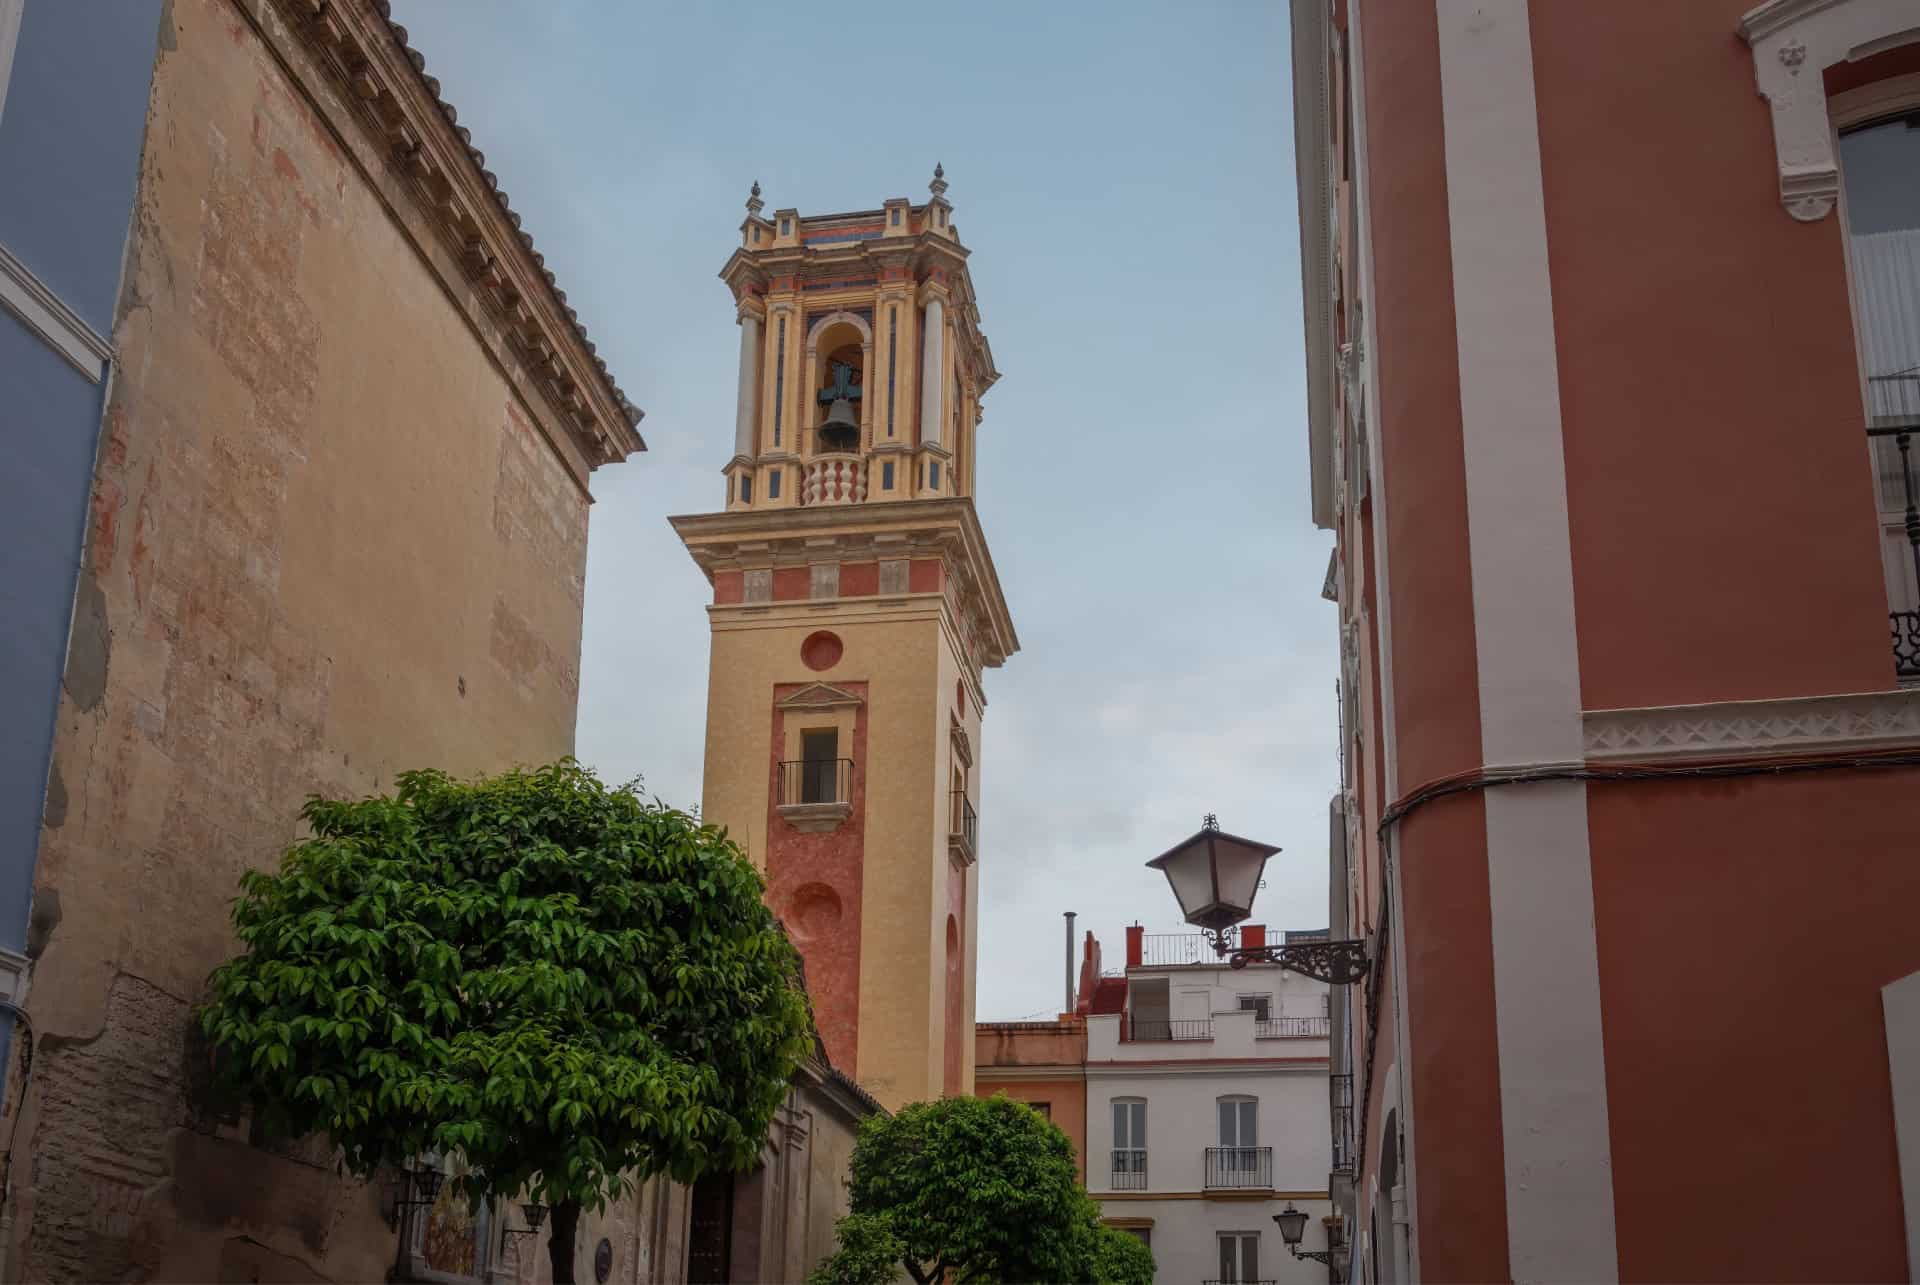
1340 1102
1280 1028
1148 1030
1246 1168
815 794
1903 625
963 827
1129 1169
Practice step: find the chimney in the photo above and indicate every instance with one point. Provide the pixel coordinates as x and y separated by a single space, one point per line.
1068 1006
1136 945
1253 936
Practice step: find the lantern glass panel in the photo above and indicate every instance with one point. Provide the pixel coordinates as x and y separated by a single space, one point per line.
1238 867
1293 1224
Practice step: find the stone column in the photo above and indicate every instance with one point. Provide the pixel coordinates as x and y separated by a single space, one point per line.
746 420
932 379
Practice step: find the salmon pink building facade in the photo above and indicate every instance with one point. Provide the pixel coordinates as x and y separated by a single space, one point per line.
1613 350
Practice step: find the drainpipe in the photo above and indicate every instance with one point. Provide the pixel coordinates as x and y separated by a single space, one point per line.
1070 918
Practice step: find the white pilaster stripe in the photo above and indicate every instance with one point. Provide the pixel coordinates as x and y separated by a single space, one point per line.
1900 1004
46 315
1553 1098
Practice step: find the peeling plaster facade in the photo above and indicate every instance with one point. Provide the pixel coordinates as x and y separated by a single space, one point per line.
337 528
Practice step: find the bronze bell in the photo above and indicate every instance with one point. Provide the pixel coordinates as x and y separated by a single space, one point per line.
840 431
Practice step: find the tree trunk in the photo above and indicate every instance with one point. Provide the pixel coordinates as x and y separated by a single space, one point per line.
566 1221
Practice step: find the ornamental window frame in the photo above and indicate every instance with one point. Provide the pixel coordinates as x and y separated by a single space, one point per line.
1793 43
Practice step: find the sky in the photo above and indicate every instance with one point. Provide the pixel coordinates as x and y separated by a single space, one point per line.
1123 175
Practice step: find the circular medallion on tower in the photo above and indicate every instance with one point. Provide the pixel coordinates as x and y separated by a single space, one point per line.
822 650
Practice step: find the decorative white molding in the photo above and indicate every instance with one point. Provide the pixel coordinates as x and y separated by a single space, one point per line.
43 312
852 319
1863 721
821 696
1793 42
10 11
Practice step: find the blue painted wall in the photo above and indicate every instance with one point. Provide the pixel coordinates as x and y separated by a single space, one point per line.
70 138
71 131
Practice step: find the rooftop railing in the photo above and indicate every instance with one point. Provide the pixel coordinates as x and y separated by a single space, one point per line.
1280 1028
1144 1030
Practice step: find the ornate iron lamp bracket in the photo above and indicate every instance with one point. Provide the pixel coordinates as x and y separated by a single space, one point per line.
1338 963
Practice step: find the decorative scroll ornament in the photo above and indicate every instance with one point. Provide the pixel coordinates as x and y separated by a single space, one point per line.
1338 963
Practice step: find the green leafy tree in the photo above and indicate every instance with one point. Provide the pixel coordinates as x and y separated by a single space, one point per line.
568 986
1119 1258
983 1188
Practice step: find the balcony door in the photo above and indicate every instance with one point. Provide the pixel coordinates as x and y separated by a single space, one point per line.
1129 1144
820 757
1239 1256
1239 1134
1878 163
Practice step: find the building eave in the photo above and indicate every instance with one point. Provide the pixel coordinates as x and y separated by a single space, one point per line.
1314 192
399 110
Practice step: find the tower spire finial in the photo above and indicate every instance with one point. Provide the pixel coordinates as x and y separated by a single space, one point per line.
939 185
754 203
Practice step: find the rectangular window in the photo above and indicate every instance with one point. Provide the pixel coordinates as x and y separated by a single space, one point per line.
933 475
1143 1234
1239 1256
896 216
893 329
886 476
1260 1004
819 761
786 226
746 488
1129 1144
773 484
1044 1108
779 380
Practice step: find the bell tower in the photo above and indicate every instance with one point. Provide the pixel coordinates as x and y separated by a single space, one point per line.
855 608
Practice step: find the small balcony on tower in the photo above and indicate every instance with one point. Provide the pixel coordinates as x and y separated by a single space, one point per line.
963 829
815 794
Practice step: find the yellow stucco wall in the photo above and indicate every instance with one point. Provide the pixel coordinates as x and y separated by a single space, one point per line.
903 652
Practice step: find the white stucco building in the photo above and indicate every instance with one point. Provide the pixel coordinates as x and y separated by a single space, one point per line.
1207 1092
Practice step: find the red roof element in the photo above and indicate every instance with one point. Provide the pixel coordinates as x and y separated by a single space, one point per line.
1110 995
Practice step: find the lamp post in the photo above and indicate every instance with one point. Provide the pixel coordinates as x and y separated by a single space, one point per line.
1293 1225
425 1179
1214 876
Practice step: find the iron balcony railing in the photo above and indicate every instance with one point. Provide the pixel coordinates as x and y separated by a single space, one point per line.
1904 625
816 781
1279 1028
964 823
1161 950
1143 1030
1243 1167
1129 1168
1340 1101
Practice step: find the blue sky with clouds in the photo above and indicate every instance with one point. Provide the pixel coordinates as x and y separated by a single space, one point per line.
1123 173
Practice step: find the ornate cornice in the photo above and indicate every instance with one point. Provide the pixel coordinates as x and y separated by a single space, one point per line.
398 108
1867 721
947 528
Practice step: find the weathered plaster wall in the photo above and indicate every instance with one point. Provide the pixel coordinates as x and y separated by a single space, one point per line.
326 545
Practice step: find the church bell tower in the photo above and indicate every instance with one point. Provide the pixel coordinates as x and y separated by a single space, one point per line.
855 608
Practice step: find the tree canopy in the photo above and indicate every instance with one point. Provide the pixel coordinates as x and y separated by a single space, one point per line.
569 986
985 1189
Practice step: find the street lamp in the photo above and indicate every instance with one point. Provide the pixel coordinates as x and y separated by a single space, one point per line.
1214 876
535 1215
1293 1225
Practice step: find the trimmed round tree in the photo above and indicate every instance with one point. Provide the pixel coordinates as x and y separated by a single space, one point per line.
983 1188
570 987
